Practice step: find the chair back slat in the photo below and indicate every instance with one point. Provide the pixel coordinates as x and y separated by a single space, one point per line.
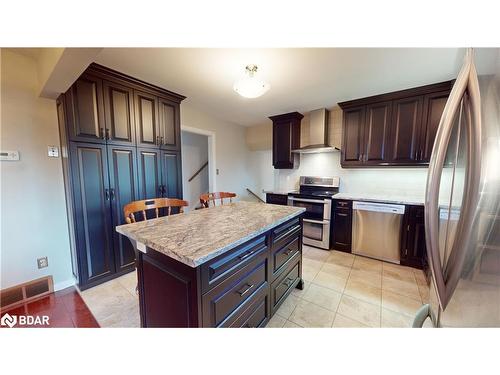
148 204
212 198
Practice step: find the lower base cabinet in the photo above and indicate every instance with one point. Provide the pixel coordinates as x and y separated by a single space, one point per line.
413 246
240 288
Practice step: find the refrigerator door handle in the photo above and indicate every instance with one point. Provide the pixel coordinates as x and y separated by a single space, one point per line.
466 81
421 315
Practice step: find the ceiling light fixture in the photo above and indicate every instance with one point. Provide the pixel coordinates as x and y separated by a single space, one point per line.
251 86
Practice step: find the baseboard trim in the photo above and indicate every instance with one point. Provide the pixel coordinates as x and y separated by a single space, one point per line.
64 284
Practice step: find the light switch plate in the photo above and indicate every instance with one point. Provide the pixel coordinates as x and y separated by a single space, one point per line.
53 152
9 155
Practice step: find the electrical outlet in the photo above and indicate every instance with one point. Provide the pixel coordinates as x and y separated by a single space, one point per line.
217 171
53 152
42 262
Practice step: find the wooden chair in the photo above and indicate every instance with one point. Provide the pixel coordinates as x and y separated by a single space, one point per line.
205 199
132 208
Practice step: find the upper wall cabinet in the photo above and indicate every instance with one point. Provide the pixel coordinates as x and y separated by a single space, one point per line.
394 129
119 113
286 137
86 117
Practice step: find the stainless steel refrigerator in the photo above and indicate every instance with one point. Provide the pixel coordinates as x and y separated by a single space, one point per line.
462 204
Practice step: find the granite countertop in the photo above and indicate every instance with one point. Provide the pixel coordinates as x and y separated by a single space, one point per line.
198 236
385 198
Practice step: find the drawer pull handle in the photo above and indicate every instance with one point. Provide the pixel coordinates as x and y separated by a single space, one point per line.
288 252
247 289
246 255
289 281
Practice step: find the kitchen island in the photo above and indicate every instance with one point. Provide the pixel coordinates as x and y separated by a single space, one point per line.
226 266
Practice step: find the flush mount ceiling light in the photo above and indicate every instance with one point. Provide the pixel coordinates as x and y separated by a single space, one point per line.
251 86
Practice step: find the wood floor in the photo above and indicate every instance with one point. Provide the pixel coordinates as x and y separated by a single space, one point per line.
64 308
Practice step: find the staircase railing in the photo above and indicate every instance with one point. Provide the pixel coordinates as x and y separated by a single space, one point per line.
198 172
255 195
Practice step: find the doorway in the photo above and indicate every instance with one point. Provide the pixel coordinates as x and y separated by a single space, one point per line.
198 164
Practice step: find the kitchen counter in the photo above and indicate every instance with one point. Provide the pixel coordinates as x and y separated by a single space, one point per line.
198 236
226 266
383 198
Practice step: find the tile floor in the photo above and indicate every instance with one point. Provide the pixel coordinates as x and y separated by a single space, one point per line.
341 290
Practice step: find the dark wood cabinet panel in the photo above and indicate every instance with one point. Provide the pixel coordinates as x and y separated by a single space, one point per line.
354 125
376 131
123 189
86 121
413 249
405 132
393 129
286 137
92 212
146 116
149 167
171 174
341 232
119 113
433 109
169 124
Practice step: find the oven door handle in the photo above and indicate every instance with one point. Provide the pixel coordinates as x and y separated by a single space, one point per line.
307 200
316 221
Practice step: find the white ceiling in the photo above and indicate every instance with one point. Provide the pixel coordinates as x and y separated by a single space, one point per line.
302 79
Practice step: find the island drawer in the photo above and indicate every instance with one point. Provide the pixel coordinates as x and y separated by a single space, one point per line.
223 303
285 232
220 268
256 315
281 255
285 283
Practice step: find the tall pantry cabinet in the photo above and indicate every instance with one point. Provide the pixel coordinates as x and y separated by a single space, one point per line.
120 141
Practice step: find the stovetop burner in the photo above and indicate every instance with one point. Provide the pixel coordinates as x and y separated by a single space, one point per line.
317 187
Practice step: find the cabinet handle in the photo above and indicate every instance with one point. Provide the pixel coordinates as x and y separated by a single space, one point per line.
340 214
106 136
157 140
106 194
161 189
247 289
101 133
112 193
288 252
246 255
288 281
161 140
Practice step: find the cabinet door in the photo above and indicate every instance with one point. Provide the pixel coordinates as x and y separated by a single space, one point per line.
405 130
171 175
149 168
352 141
146 119
169 124
414 251
119 113
342 229
433 109
282 133
92 211
124 189
376 132
86 121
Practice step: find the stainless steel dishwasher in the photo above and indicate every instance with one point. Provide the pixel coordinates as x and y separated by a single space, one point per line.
376 230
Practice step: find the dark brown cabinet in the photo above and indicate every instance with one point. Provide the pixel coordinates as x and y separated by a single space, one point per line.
85 119
413 246
286 137
102 118
119 113
341 232
394 129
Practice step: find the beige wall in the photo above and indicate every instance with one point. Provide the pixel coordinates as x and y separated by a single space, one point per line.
33 212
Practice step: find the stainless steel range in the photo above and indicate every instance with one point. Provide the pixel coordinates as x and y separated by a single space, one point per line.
315 195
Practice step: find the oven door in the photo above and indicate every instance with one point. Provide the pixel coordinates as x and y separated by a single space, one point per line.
316 209
316 233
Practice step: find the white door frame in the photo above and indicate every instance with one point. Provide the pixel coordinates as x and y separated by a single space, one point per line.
211 154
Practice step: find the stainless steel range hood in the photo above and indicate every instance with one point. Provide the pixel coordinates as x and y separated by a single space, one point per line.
318 134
